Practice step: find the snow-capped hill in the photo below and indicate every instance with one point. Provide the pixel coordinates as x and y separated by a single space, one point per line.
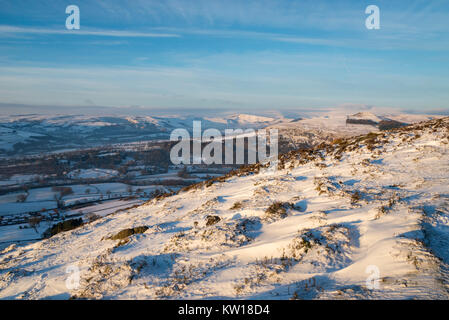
28 134
364 115
324 127
249 119
363 217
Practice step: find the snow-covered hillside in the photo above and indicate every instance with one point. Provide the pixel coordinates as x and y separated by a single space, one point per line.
317 228
42 133
323 126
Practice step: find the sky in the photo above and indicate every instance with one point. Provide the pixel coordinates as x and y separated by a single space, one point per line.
218 55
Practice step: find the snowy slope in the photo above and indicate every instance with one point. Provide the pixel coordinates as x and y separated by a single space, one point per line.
314 229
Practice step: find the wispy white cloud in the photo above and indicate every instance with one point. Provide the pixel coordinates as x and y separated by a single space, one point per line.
250 80
393 35
172 33
312 41
247 34
386 39
12 30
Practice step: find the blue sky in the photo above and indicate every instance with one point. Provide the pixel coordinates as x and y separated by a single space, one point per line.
245 55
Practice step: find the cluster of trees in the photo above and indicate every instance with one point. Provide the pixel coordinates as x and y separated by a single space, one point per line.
59 164
63 191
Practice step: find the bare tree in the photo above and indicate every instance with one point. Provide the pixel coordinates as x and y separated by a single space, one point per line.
34 222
